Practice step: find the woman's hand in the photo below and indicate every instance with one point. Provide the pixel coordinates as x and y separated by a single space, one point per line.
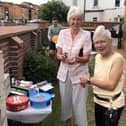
84 80
71 60
61 57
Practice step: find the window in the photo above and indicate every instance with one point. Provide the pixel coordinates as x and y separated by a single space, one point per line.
117 3
115 19
95 3
95 19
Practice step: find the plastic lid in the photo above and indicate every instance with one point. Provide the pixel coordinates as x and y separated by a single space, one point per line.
16 100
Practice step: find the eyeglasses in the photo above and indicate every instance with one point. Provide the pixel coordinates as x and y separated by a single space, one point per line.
100 42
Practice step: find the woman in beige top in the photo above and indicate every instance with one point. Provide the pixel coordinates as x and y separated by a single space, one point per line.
108 80
73 51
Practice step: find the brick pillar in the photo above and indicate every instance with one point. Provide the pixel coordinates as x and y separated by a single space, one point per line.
3 116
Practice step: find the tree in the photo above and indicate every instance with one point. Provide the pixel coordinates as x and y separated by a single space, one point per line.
54 8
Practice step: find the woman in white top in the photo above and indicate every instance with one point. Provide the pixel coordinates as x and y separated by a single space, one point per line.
108 80
73 51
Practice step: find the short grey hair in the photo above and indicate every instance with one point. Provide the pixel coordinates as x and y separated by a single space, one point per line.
100 30
74 11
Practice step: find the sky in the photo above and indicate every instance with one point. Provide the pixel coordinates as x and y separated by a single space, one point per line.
37 2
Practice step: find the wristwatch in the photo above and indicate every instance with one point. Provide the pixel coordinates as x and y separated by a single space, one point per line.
89 80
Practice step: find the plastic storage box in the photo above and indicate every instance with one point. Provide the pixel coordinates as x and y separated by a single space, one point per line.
40 100
17 102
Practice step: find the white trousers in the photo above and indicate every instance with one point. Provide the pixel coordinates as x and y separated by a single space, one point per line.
73 100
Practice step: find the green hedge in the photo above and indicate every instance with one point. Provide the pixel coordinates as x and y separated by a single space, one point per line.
38 67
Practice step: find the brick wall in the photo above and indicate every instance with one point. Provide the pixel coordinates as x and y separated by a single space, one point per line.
14 41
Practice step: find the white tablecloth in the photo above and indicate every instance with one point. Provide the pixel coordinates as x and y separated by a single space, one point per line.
30 115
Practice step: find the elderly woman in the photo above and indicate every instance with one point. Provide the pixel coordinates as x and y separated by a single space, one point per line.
108 80
73 51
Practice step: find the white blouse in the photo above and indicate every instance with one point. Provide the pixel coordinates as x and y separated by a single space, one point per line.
72 48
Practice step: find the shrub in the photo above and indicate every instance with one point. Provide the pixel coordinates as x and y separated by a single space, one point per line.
38 67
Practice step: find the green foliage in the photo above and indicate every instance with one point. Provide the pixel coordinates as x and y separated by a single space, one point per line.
121 20
38 67
54 8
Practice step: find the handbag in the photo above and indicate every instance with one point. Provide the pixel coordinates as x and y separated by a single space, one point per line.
81 52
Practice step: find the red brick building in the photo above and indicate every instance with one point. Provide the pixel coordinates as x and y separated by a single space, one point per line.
18 13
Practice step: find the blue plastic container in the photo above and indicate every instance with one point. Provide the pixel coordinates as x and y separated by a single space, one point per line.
40 100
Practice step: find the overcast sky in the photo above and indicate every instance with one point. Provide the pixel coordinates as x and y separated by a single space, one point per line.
38 2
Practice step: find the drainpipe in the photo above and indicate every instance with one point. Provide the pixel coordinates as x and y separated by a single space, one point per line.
84 9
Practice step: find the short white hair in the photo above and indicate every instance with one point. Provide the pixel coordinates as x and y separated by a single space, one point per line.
100 30
74 11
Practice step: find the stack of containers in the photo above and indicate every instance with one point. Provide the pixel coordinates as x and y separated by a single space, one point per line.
38 98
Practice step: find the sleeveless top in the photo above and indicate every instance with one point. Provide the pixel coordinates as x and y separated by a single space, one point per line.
102 70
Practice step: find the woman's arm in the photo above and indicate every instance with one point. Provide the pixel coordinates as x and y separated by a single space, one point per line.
114 76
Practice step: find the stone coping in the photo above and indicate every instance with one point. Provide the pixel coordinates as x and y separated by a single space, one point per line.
7 31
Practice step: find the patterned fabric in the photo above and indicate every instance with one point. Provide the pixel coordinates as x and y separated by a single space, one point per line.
72 48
